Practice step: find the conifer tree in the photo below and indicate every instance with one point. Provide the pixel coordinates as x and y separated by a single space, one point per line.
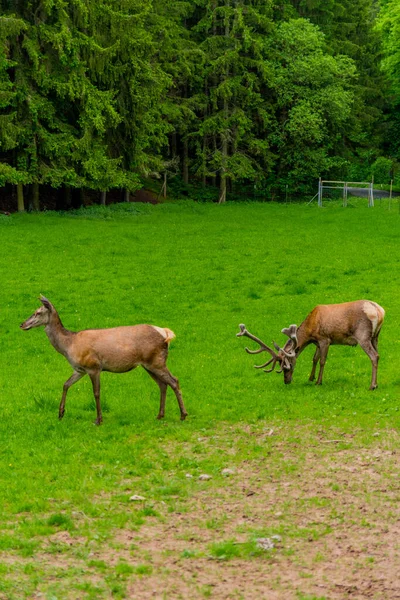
232 35
72 74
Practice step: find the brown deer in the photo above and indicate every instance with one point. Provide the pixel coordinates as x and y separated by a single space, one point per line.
346 324
117 350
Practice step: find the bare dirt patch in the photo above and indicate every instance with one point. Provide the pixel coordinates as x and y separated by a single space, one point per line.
335 508
328 500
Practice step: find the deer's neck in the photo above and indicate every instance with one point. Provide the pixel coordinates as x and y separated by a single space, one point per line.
60 338
303 338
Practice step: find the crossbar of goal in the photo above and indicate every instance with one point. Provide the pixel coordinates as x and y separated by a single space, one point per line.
349 183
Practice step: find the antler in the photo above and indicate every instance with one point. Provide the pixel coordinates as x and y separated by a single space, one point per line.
291 332
263 348
291 354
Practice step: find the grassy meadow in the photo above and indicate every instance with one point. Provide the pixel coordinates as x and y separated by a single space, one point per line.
68 528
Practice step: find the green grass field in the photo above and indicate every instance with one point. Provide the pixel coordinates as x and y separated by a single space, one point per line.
199 270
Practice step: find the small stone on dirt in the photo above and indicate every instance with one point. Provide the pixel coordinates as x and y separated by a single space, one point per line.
265 543
228 471
204 477
189 476
136 498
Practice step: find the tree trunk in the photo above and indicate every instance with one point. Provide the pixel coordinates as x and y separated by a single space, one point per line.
185 162
103 196
204 157
67 197
214 175
127 195
214 82
20 197
224 135
35 196
173 144
222 185
204 173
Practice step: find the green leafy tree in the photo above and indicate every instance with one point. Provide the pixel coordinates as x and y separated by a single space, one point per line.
313 102
388 25
349 27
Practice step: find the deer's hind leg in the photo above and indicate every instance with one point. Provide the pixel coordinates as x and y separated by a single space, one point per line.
372 350
375 339
95 377
164 376
163 392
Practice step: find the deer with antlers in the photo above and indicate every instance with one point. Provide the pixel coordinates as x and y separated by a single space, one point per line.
346 324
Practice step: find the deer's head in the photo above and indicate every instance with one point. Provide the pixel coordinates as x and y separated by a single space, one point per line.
41 316
285 357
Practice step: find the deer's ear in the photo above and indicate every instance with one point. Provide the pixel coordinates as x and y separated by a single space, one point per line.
46 303
291 332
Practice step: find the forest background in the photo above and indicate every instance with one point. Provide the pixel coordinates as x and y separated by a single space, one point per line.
241 99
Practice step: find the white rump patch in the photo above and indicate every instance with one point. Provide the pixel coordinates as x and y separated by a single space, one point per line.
167 334
375 314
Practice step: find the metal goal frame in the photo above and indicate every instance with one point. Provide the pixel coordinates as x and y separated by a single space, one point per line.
324 184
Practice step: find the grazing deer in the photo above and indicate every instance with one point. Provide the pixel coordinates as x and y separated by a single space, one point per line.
117 350
346 324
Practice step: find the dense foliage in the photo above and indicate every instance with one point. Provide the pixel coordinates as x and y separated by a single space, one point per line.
235 95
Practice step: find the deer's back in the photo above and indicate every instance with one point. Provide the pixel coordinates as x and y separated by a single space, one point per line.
119 349
340 322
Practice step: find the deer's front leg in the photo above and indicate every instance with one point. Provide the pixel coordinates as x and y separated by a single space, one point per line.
95 377
73 379
315 362
323 351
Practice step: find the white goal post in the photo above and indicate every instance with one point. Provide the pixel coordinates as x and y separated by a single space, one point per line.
325 184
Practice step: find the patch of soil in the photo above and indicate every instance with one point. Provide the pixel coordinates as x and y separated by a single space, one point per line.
337 515
64 537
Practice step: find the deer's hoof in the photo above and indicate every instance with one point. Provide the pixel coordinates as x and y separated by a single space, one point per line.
183 416
60 415
98 422
373 387
160 416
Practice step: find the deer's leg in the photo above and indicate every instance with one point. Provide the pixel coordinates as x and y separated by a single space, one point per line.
166 377
323 351
73 379
374 342
95 377
163 393
369 348
315 362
